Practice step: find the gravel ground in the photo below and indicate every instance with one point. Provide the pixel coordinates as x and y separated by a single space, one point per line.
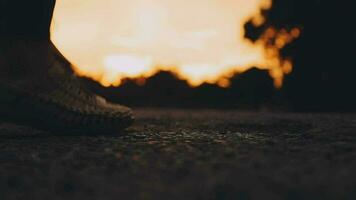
184 154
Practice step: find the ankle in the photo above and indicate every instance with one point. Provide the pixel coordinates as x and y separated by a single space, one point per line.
22 57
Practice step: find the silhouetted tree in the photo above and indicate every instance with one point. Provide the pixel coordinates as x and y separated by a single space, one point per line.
324 56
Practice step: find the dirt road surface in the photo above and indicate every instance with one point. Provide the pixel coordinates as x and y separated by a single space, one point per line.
186 154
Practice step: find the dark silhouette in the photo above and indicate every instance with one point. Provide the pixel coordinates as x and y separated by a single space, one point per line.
324 56
250 90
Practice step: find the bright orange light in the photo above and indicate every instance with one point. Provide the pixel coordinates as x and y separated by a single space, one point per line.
199 41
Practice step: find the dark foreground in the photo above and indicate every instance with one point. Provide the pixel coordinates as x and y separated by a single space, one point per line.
177 154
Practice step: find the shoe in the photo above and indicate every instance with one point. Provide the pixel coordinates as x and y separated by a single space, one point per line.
58 102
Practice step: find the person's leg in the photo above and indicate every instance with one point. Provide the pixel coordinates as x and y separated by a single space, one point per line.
37 85
25 45
26 19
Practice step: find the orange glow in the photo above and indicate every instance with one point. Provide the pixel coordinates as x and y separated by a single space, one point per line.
201 41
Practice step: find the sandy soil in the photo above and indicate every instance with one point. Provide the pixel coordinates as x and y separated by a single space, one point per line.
181 154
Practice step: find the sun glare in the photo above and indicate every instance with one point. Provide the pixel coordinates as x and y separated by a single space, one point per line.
199 41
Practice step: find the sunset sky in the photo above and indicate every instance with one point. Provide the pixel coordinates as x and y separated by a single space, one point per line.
200 40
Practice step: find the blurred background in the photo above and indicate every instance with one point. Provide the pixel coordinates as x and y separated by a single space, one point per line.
309 64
